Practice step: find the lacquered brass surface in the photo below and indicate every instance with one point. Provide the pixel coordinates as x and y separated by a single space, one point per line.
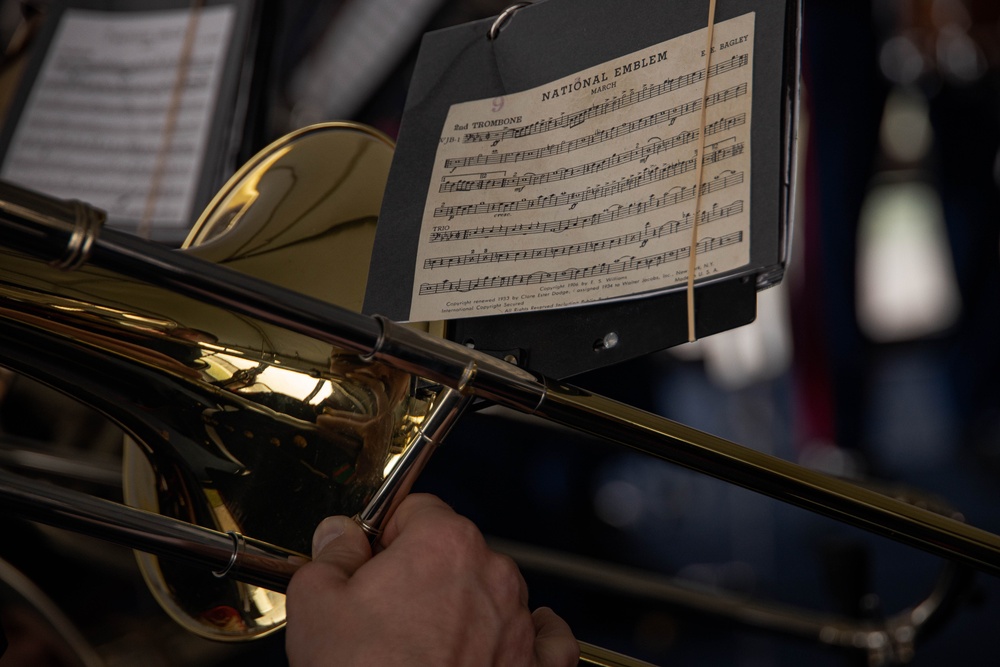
249 426
302 213
237 425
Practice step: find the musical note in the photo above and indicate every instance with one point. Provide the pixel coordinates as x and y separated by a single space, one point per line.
580 143
608 162
621 102
649 233
611 214
588 193
621 265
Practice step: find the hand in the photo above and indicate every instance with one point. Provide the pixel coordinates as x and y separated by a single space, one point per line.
435 595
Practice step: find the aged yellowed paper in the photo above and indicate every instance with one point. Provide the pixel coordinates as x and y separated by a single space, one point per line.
580 190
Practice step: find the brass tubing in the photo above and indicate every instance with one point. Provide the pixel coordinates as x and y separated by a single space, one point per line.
238 557
509 386
602 657
50 229
830 496
373 338
895 635
230 555
211 283
63 231
448 407
477 374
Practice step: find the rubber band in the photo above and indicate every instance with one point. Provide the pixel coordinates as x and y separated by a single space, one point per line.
173 112
692 255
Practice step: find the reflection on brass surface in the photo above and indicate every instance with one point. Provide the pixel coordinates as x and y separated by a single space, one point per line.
248 427
234 424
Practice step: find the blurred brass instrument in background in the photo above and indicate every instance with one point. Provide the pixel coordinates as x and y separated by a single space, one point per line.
258 400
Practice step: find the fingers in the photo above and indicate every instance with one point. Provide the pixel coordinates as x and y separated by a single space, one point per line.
316 590
414 511
340 542
438 564
555 645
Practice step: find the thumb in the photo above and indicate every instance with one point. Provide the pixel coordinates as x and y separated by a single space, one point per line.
340 542
340 547
554 641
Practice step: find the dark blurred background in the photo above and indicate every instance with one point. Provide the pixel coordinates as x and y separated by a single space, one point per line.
877 359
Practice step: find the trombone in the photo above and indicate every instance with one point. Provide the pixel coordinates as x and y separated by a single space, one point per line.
399 388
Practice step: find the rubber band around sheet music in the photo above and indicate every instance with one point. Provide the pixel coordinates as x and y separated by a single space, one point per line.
173 112
494 32
692 261
503 18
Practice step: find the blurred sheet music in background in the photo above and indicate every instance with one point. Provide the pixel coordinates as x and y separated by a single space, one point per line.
123 112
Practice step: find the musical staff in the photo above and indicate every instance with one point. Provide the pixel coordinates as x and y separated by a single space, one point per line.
618 266
649 233
599 136
624 101
647 176
675 196
640 153
613 177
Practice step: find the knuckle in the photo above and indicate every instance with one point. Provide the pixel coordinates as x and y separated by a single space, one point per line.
505 579
462 537
308 578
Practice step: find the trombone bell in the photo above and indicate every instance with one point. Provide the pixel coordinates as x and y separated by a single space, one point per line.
234 424
227 381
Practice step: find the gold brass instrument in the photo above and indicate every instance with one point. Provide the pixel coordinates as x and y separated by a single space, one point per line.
260 401
220 407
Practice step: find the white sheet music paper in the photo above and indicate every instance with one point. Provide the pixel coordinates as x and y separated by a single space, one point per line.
94 124
584 189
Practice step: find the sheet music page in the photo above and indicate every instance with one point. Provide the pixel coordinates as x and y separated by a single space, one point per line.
584 189
95 123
